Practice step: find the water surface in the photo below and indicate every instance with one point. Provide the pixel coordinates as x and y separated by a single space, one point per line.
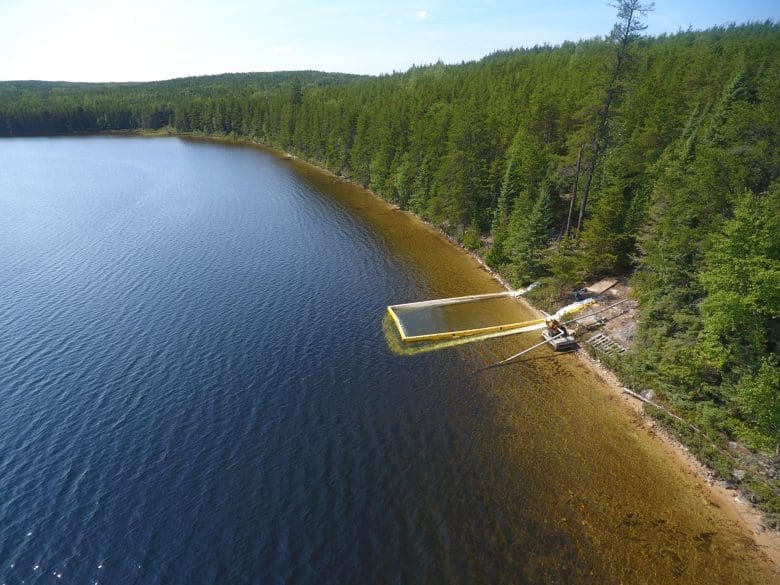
195 387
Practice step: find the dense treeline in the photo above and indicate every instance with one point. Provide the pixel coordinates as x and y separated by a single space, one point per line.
30 108
655 157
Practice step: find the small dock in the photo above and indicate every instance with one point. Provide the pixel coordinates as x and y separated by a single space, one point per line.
562 343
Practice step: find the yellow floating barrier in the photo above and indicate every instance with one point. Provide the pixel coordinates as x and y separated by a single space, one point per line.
435 318
397 313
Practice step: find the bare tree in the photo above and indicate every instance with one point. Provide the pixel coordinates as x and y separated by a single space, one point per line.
626 30
574 191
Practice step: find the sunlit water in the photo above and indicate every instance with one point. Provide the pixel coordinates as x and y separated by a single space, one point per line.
196 387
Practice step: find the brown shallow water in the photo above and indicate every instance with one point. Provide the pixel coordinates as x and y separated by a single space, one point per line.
592 473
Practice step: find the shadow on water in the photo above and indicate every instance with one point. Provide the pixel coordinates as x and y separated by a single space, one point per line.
556 355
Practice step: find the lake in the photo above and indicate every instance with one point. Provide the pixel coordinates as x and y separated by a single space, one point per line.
196 386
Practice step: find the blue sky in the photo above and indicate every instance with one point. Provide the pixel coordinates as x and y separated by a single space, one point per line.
110 40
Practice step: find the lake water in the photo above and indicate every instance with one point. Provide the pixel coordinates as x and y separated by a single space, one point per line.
196 387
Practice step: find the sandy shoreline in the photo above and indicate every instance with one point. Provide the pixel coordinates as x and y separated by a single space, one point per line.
716 491
713 491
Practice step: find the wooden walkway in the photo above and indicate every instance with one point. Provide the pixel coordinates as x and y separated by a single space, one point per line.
605 344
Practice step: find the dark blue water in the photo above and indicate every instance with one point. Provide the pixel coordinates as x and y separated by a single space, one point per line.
195 383
195 387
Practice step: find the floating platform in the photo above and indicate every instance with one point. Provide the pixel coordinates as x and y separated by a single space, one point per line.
564 343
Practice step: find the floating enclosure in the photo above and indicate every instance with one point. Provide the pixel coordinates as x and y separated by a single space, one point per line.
455 317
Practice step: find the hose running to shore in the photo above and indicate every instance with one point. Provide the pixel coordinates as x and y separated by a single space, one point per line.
595 312
525 351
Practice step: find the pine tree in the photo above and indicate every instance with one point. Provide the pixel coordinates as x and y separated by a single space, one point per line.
741 312
529 235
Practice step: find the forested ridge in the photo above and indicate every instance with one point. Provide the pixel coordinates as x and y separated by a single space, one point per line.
654 158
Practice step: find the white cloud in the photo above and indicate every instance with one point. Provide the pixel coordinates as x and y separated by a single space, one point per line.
422 14
283 49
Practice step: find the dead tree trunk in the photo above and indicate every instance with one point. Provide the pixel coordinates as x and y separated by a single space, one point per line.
574 192
626 30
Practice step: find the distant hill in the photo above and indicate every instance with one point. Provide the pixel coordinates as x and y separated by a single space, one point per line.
200 85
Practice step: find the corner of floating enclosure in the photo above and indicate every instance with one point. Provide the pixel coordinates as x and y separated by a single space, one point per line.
397 321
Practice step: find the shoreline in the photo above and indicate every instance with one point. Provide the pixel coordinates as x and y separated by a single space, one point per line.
736 508
714 491
718 493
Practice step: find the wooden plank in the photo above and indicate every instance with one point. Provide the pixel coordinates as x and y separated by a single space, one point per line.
601 286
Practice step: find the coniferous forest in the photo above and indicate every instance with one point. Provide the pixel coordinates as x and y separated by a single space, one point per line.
651 158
